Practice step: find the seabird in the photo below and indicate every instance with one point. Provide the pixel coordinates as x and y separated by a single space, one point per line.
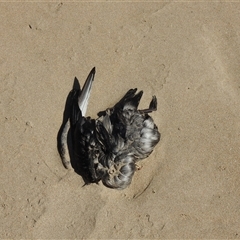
107 148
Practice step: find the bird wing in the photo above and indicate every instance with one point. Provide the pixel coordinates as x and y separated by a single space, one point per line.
85 93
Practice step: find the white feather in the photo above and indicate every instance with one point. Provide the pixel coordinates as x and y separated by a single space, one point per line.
85 94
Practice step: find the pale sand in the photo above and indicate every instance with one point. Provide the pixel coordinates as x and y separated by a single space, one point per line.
187 54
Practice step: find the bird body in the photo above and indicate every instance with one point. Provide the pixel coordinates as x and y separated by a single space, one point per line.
107 148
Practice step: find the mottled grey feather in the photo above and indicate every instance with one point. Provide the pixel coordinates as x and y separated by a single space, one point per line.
107 148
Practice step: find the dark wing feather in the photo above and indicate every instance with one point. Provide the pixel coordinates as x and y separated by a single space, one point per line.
107 148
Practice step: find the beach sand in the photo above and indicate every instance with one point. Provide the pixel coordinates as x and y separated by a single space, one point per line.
187 54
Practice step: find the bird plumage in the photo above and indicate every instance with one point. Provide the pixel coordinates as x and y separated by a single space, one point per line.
108 147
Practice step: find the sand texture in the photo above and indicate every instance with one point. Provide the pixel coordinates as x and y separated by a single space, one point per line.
187 54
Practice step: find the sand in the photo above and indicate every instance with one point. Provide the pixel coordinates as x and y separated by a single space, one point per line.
187 54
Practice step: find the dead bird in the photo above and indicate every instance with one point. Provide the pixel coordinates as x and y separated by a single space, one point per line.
107 148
